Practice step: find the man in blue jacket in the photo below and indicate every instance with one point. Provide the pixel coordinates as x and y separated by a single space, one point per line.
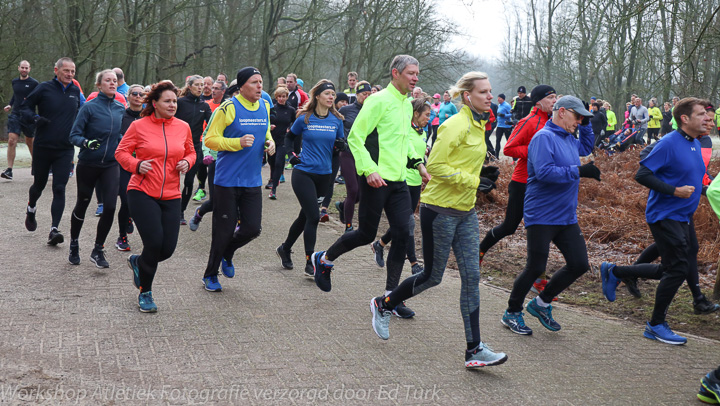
57 102
504 122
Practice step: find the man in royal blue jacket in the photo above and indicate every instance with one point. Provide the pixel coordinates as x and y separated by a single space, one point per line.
504 122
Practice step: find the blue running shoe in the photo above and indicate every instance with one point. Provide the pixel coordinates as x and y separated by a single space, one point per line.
516 323
483 356
380 318
709 389
195 220
133 265
282 178
99 210
228 269
146 303
322 272
211 284
609 281
544 314
662 333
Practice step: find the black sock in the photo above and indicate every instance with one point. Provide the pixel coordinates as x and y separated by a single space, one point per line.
472 346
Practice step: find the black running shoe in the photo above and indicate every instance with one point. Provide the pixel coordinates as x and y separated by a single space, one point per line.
309 269
98 257
378 253
55 237
631 285
340 207
322 271
30 222
74 257
284 256
7 174
403 311
704 306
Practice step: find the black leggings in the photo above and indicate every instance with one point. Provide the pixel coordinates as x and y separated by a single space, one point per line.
207 205
513 217
653 134
190 178
158 225
677 242
395 200
307 187
571 243
87 177
434 134
490 149
387 237
277 164
60 162
352 188
499 133
124 213
330 188
229 204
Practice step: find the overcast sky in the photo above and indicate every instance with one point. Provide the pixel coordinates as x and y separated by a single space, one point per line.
483 21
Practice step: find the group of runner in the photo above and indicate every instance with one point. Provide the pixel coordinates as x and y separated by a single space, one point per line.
140 152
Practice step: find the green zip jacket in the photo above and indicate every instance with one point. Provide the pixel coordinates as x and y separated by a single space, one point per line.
380 136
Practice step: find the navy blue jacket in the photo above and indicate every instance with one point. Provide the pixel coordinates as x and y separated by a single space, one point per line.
99 119
57 104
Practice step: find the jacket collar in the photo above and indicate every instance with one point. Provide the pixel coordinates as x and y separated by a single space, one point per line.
161 120
469 113
396 93
556 129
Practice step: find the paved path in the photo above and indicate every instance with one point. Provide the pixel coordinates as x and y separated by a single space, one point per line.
73 334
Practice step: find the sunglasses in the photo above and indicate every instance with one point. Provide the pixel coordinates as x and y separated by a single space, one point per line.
136 94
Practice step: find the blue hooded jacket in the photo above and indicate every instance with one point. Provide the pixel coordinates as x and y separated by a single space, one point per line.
504 114
99 119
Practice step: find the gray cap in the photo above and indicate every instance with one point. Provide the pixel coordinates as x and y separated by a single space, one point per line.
572 103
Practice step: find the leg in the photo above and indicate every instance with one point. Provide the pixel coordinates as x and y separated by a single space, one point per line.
538 249
123 214
249 204
188 188
672 238
571 244
201 168
147 214
207 205
86 177
41 165
465 247
347 164
397 211
513 217
414 199
331 187
490 149
306 188
61 174
278 164
12 144
109 179
225 211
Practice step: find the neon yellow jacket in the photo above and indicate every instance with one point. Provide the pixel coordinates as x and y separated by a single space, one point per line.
717 117
713 195
380 136
612 120
655 117
455 162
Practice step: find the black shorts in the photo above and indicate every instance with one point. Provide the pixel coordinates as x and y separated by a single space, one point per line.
16 126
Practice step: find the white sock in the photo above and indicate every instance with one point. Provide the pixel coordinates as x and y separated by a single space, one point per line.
540 302
31 209
387 292
325 261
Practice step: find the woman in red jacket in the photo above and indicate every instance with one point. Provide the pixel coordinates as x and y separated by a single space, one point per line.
163 149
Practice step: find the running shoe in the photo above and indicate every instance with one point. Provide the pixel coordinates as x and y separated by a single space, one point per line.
199 195
403 311
483 356
55 237
309 269
135 268
378 252
99 210
321 271
538 287
482 255
324 216
130 226
272 196
632 288
122 244
30 222
7 174
662 333
340 180
340 206
211 283
183 222
269 184
516 323
609 281
97 257
544 314
227 268
417 268
288 167
349 228
284 255
282 178
380 318
702 305
146 302
74 257
709 389
195 220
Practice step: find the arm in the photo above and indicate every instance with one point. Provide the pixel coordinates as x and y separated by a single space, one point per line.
440 163
77 134
586 142
647 178
126 148
517 144
214 135
365 123
542 156
295 131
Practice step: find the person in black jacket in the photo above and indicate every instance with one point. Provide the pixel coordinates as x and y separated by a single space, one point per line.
598 122
666 125
192 109
523 104
281 122
57 102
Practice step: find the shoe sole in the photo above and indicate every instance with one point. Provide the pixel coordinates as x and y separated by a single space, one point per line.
313 258
277 252
480 364
403 317
605 278
373 311
98 265
372 247
706 395
540 318
147 311
31 226
515 331
324 219
6 177
662 340
122 249
714 309
74 263
58 239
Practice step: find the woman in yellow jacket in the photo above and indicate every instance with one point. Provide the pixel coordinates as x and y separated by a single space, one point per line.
448 219
611 119
655 120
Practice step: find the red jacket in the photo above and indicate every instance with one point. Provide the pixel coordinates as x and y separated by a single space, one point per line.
163 141
517 144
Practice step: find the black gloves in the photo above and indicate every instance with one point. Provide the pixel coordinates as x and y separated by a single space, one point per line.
589 170
294 159
41 121
486 185
413 163
340 144
490 172
586 120
91 144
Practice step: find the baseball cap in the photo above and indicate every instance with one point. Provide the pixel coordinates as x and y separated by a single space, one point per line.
300 82
436 96
572 103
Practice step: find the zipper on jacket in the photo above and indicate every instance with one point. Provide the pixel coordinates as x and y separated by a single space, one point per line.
162 186
107 144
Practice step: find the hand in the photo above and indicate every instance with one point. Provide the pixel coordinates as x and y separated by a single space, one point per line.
684 192
270 147
490 172
340 144
7 108
589 170
41 121
272 127
246 141
208 159
375 180
91 144
182 166
424 173
486 185
145 167
294 159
